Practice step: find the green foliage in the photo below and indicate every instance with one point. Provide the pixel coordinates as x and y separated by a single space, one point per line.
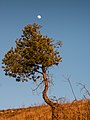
32 51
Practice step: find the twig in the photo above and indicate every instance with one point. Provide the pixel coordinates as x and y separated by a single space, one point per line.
38 86
84 87
68 79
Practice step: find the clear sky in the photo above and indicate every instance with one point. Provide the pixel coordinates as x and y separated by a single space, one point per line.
66 20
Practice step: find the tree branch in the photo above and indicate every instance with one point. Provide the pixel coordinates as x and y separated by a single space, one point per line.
38 86
68 79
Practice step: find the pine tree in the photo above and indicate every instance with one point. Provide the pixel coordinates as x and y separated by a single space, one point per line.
31 58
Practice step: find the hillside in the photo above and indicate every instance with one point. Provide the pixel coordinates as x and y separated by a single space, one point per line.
76 110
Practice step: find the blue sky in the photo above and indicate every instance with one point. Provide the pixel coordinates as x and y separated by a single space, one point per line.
66 20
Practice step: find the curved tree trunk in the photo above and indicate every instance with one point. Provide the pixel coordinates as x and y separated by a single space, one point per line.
54 106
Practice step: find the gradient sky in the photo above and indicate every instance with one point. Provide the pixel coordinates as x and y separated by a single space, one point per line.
66 20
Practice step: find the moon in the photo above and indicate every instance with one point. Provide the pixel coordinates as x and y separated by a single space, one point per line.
39 16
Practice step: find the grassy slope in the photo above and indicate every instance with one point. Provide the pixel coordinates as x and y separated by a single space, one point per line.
78 110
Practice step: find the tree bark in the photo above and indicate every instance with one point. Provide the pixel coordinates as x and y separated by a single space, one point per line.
47 100
45 97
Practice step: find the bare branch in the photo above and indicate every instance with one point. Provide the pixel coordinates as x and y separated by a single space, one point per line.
38 86
38 72
68 79
84 88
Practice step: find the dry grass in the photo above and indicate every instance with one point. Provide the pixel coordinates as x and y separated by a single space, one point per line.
77 110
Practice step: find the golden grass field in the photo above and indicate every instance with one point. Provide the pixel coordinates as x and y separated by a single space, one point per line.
76 110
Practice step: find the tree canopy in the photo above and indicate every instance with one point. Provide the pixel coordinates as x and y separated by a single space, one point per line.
32 52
